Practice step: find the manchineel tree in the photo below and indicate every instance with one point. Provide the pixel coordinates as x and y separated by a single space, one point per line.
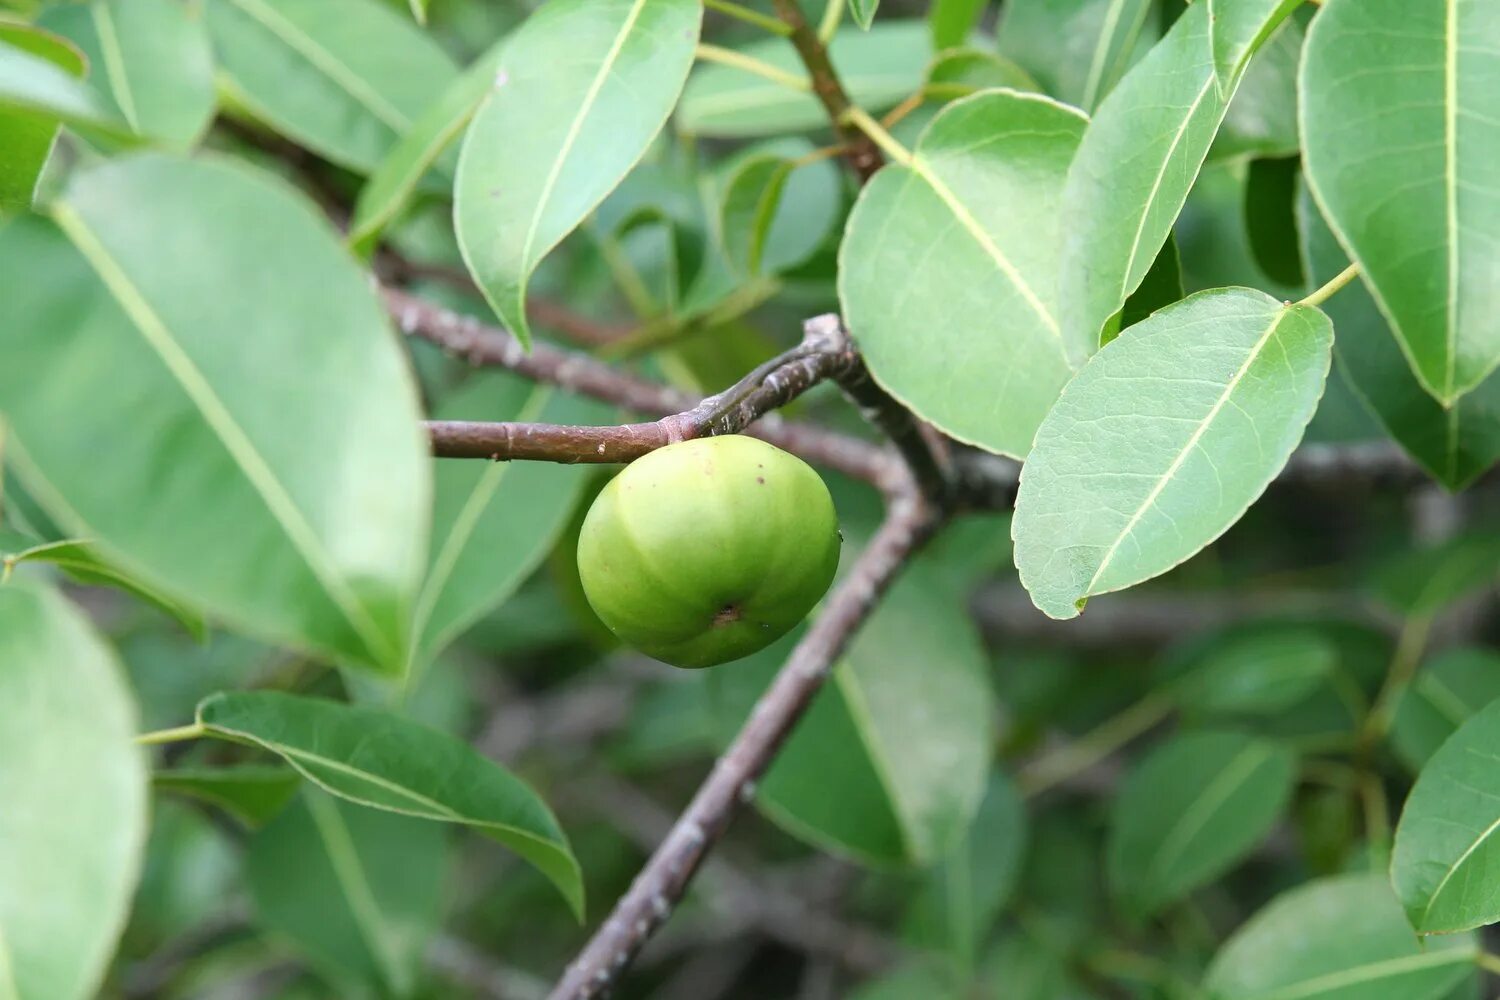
322 325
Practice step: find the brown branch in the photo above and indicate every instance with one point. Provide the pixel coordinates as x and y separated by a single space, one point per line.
480 344
731 784
861 152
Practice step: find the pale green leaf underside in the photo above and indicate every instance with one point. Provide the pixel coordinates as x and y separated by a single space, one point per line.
389 762
1142 153
1446 864
1194 807
74 787
1163 440
583 88
947 274
1340 938
1402 151
310 483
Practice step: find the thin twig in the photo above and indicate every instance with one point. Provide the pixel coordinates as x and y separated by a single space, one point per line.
862 154
646 906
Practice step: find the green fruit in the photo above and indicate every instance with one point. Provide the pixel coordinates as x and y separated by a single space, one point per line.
708 550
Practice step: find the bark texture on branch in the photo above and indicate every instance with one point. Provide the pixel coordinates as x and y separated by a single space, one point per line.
731 784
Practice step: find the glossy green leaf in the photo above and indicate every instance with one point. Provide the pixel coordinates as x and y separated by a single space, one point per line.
1257 673
151 59
1340 938
167 297
389 762
1446 864
1424 582
878 68
1163 440
345 78
252 793
1403 156
947 271
863 11
1078 49
775 212
1142 152
494 522
959 900
1193 808
952 21
585 87
74 787
25 136
39 86
392 184
890 763
366 895
1443 695
1455 444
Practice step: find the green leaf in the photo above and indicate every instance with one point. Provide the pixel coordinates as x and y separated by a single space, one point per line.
79 560
345 78
585 87
392 184
1193 808
1270 219
74 787
1262 118
878 68
1423 582
1444 694
1142 152
1211 395
1402 155
494 522
151 59
948 267
1340 938
863 11
1078 49
1446 864
952 21
1257 673
961 72
389 762
1456 444
287 500
1161 287
366 895
253 794
46 86
889 765
775 211
26 136
959 900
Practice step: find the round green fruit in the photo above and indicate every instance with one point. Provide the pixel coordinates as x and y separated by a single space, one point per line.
708 550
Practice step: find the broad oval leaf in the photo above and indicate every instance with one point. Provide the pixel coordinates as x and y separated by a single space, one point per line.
776 209
584 87
1078 49
367 894
430 136
877 68
889 765
1142 152
493 522
151 58
74 786
1163 440
1455 444
27 137
1443 695
947 273
345 78
290 501
1340 938
1402 153
1446 864
1190 810
1257 673
389 762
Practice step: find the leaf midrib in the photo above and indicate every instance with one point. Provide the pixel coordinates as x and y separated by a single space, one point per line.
1239 769
354 882
1368 972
